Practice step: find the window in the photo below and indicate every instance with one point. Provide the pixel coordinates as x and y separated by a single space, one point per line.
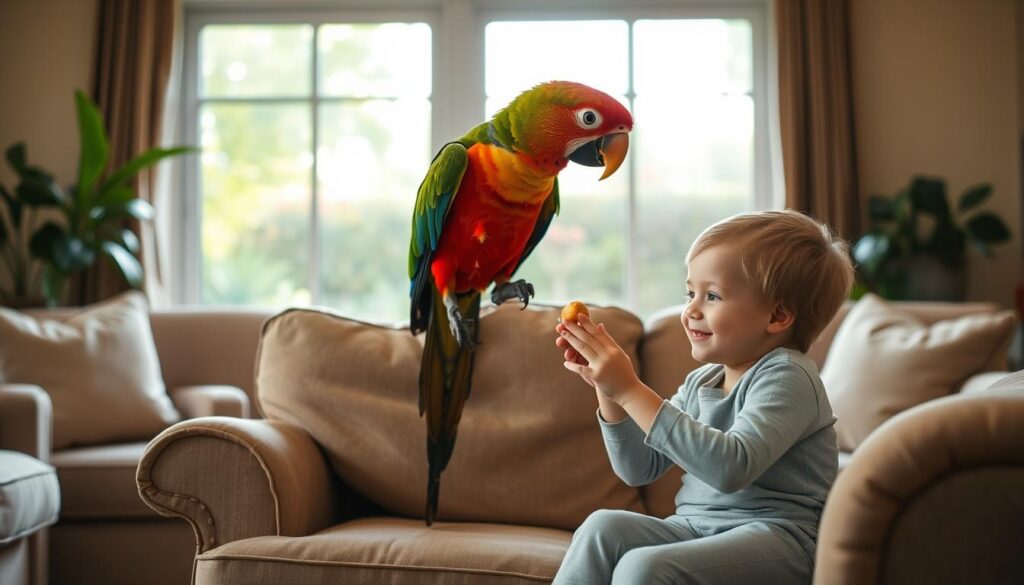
313 137
317 131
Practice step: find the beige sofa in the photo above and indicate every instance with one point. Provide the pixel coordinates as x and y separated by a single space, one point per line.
328 487
105 533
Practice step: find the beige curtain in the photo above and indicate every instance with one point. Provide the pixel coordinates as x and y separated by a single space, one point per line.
815 111
134 45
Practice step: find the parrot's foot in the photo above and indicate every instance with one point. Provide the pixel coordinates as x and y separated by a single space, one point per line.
519 289
460 326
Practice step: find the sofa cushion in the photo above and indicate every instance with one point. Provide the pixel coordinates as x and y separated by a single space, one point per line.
99 482
529 448
99 366
29 495
884 361
392 550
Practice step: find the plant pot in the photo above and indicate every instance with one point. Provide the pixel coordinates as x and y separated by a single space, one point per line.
926 278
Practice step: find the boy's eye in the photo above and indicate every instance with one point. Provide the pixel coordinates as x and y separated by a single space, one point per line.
689 295
714 297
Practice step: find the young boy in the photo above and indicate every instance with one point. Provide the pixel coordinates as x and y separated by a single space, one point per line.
752 428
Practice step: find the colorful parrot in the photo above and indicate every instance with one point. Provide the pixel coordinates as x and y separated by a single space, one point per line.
485 203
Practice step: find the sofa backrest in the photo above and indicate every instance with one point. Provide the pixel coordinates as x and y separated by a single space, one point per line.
215 345
529 448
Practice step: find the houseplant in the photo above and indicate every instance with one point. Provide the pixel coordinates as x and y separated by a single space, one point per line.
92 213
916 246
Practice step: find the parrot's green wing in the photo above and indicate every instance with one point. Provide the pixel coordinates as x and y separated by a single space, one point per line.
433 200
547 213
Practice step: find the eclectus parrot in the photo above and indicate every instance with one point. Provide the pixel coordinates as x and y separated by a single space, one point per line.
487 200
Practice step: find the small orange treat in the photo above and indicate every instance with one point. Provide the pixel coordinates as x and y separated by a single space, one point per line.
572 311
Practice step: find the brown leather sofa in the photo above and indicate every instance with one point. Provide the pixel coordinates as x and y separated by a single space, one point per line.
324 490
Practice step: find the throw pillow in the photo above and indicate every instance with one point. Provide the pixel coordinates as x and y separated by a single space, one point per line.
529 448
884 361
98 364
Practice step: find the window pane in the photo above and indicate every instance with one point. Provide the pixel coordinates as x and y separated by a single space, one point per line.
255 189
255 60
375 60
520 55
372 157
696 167
583 254
676 57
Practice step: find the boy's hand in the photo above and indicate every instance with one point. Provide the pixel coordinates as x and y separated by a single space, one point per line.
592 353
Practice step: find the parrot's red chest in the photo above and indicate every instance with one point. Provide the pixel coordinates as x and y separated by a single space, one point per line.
490 221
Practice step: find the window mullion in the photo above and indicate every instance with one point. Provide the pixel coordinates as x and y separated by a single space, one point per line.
314 219
632 249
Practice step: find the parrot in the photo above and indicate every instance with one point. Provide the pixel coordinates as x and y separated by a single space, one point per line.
486 201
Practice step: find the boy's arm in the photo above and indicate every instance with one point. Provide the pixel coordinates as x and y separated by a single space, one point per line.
632 459
780 406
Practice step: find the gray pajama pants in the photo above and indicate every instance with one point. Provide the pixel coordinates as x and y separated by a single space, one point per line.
625 548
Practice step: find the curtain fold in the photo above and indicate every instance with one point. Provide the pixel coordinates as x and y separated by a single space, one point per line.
131 71
816 113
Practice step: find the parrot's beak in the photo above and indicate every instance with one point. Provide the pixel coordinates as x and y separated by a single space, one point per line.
607 151
613 149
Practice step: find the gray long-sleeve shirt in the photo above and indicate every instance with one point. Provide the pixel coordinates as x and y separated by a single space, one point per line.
766 450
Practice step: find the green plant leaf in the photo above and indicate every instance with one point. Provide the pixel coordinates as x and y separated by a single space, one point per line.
13 207
137 208
38 189
126 261
929 196
974 196
948 243
129 169
871 250
66 253
129 240
986 227
16 157
53 285
880 209
93 142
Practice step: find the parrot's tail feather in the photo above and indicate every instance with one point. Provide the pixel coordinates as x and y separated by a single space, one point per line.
433 493
445 375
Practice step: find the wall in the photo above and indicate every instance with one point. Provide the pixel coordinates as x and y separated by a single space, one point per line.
936 92
47 48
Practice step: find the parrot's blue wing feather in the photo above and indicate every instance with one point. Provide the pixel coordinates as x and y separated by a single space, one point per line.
433 201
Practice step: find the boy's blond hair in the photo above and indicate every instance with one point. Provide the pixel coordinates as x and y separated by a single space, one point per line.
793 259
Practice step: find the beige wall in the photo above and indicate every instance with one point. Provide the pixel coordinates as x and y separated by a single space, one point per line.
47 48
936 91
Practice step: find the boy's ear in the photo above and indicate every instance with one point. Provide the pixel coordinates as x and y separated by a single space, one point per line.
781 319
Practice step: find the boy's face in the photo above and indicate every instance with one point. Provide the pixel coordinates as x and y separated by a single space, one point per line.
725 319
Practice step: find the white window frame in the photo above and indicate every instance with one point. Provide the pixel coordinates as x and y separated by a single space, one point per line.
457 91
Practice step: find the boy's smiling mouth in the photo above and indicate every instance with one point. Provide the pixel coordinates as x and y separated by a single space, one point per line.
697 334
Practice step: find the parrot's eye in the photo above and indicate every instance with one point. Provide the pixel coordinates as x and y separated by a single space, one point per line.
588 118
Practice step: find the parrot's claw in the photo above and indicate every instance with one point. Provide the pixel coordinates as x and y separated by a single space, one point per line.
519 289
460 329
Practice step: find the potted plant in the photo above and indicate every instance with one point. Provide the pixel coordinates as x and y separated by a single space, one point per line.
916 247
92 213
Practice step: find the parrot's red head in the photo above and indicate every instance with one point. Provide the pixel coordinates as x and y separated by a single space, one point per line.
559 121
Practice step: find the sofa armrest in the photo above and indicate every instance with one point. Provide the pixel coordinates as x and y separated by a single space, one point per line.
210 400
234 478
982 381
933 492
26 420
